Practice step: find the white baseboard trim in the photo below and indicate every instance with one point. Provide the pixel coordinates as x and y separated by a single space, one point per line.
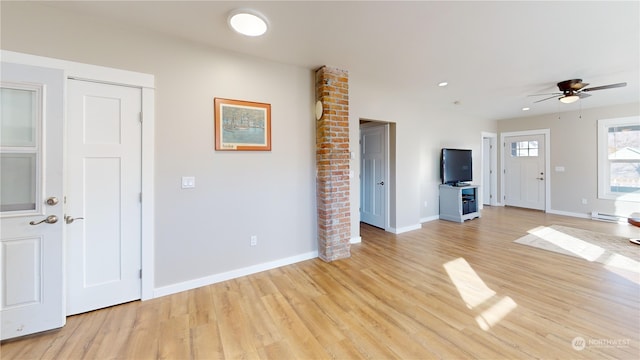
405 229
355 240
429 218
567 213
216 278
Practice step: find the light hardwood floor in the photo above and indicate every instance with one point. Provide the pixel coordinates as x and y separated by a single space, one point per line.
448 290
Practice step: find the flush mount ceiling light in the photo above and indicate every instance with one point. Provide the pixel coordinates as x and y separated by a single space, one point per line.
568 99
248 22
443 84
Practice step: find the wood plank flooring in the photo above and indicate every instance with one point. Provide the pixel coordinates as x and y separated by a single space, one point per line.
448 290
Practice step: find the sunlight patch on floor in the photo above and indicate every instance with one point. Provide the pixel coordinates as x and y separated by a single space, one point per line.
569 243
495 313
470 286
477 295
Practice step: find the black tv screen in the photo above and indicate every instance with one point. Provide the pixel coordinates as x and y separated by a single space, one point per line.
455 166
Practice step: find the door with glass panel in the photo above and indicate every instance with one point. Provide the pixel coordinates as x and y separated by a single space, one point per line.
31 199
524 171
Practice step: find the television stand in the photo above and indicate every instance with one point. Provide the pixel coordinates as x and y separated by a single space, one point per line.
459 203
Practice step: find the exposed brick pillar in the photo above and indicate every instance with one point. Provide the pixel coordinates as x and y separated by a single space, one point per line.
332 164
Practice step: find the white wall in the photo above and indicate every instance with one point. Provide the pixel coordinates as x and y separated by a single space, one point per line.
204 231
574 146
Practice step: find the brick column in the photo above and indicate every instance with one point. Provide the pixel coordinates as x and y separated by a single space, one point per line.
332 164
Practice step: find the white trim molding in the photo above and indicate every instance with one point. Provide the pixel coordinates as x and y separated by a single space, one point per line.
405 229
233 274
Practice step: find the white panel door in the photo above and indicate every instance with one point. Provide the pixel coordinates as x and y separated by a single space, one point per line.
103 189
524 171
31 243
373 175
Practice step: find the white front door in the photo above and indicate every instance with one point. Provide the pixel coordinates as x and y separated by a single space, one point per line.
373 176
103 188
31 193
525 171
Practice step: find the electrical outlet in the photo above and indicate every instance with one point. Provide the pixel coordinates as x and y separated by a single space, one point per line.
584 201
254 240
425 204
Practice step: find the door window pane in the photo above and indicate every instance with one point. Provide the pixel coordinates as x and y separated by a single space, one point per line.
18 117
524 148
20 148
18 175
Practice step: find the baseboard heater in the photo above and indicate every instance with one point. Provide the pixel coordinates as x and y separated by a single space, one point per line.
608 217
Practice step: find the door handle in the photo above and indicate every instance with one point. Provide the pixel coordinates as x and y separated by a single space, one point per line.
68 219
540 178
381 183
51 219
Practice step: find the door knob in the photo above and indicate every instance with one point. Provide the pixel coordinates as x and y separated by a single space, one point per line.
52 201
381 183
540 178
68 219
51 219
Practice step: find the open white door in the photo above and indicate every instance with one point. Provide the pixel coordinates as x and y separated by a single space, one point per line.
103 195
373 197
31 239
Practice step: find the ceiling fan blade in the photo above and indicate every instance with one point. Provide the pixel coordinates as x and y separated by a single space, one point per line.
578 86
545 94
549 98
606 87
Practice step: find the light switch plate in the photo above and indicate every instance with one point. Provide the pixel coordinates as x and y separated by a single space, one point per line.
188 182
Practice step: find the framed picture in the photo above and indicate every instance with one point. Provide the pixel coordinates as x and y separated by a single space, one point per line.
242 125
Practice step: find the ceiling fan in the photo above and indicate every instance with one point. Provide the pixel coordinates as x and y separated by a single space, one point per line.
574 89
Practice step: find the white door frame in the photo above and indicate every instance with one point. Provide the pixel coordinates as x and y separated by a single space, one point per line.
127 78
493 184
387 191
547 162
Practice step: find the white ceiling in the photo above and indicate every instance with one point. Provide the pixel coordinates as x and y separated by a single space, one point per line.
493 54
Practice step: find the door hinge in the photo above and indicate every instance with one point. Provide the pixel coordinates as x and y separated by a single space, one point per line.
140 197
140 116
140 273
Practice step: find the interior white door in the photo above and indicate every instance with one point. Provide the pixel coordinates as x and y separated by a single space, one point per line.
31 243
103 190
524 171
373 176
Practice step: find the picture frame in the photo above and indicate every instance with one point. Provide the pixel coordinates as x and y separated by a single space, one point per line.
242 125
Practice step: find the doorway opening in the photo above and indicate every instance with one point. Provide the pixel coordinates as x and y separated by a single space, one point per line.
489 165
377 173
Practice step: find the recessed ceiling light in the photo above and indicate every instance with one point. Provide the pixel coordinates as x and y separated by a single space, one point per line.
526 109
443 84
248 22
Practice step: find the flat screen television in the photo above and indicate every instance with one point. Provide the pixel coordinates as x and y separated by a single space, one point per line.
455 166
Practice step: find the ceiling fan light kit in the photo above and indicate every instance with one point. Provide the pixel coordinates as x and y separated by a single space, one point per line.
568 99
574 89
